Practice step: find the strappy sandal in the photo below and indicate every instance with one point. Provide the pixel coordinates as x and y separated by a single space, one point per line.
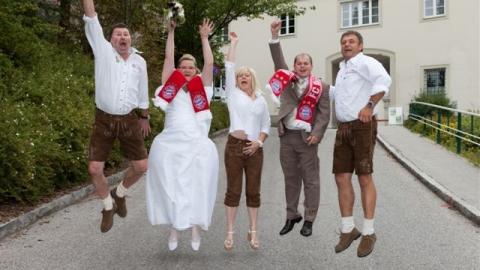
228 243
253 242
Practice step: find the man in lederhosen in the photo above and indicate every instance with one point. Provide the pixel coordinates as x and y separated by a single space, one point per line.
121 85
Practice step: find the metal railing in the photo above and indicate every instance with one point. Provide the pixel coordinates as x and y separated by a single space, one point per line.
439 117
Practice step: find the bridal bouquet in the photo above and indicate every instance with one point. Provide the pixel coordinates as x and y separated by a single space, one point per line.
174 12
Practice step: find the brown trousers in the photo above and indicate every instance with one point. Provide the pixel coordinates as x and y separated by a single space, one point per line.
300 164
235 163
107 128
354 144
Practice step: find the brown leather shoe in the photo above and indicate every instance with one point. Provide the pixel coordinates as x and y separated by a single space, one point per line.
120 202
346 240
107 219
366 245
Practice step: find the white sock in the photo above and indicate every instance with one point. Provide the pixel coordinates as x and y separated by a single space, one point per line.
121 190
108 202
368 226
347 224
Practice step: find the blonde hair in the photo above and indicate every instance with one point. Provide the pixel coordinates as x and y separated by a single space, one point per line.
189 57
242 70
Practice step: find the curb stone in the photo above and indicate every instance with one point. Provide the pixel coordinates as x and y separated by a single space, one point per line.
46 209
461 205
27 219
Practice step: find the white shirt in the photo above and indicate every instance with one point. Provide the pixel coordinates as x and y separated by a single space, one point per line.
299 87
120 85
290 120
359 78
246 114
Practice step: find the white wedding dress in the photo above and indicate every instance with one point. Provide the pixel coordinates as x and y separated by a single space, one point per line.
182 171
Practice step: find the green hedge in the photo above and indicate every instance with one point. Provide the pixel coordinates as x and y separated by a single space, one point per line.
45 116
469 150
46 108
220 116
46 128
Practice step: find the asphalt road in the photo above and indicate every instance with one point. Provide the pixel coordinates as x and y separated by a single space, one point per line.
415 230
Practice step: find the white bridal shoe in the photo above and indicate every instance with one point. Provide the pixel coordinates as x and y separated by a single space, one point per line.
173 240
196 244
195 238
172 245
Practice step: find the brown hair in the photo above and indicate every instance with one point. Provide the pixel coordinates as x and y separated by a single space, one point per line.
303 54
117 25
351 32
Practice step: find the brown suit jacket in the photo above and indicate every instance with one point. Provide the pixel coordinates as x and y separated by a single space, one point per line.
289 100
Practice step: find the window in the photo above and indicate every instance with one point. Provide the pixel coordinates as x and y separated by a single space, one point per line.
433 8
224 34
434 80
288 24
358 13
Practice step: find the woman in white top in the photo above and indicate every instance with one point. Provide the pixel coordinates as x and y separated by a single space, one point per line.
249 128
182 178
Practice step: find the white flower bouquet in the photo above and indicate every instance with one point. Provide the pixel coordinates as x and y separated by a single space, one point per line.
174 11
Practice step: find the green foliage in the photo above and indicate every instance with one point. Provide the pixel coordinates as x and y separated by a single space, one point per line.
468 150
220 116
45 117
145 17
157 118
146 22
45 107
440 99
47 87
222 13
469 124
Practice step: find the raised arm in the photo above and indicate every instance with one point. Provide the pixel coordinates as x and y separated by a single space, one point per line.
89 8
275 48
233 47
230 64
169 62
93 30
275 29
207 73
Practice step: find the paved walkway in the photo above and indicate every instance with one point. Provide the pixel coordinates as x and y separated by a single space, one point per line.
451 176
414 230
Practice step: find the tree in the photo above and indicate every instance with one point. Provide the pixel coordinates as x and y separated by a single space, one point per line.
223 12
145 17
146 21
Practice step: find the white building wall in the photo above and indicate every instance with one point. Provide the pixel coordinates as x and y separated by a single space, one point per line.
416 43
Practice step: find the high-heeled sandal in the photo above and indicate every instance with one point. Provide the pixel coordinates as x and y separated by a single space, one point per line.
253 242
228 243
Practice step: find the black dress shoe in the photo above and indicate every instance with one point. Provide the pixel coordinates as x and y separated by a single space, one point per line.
306 229
289 225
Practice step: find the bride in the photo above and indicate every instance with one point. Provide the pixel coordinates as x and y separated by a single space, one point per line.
183 162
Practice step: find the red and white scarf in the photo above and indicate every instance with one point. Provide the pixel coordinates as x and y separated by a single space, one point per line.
195 88
306 108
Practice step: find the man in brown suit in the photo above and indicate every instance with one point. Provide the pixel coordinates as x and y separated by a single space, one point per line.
298 148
